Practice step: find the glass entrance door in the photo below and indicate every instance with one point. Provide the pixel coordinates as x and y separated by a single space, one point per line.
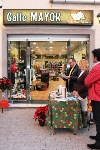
34 66
48 60
19 70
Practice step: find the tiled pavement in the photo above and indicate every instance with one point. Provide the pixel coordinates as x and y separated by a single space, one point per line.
19 131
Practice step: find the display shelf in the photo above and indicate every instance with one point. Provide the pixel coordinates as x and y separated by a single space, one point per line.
19 81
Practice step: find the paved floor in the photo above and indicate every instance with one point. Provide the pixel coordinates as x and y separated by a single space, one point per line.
19 131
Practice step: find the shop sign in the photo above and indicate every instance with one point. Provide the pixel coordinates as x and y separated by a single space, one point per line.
45 16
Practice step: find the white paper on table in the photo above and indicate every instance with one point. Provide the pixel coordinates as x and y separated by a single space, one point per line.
61 99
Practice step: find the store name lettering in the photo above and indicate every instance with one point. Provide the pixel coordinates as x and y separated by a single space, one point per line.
15 18
34 16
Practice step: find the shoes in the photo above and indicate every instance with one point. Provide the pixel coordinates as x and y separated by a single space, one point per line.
84 126
92 121
92 137
92 147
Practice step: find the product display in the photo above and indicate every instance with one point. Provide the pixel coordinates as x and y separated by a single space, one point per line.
19 80
40 79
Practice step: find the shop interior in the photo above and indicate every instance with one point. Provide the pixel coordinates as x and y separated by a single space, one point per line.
36 66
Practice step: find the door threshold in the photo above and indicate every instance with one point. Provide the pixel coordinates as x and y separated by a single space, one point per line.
26 105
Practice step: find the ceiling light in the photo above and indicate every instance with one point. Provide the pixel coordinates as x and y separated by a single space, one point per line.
59 54
34 43
46 47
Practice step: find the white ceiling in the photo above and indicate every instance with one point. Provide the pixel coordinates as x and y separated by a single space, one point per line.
47 44
54 48
46 48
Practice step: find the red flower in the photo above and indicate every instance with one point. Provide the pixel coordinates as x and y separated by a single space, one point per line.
5 84
60 126
67 108
75 123
71 113
72 102
53 113
77 109
67 121
79 123
40 113
59 107
62 115
57 121
4 81
48 117
54 101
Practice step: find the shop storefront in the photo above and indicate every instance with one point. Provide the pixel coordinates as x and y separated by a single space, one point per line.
36 55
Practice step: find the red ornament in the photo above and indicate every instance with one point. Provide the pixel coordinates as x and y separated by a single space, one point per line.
13 68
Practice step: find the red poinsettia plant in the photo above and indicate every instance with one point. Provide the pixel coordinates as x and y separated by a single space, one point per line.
5 84
40 113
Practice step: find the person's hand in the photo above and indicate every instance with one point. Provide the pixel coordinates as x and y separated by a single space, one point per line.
67 77
75 93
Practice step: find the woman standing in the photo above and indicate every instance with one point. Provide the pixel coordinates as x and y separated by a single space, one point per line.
81 89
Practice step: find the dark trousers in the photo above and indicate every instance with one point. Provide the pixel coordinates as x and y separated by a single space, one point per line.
96 117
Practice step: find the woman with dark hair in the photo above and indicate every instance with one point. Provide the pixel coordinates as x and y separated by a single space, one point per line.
92 81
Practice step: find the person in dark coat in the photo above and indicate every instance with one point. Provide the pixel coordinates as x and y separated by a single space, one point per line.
72 75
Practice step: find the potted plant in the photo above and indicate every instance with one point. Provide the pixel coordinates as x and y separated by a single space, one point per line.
40 114
4 84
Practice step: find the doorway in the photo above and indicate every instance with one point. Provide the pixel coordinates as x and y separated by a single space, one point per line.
35 64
